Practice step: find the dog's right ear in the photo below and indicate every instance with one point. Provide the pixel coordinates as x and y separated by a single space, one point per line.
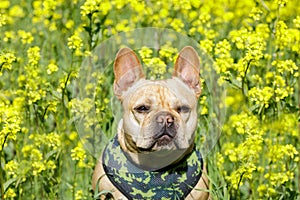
127 70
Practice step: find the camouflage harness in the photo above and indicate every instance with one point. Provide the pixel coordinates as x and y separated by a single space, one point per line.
136 183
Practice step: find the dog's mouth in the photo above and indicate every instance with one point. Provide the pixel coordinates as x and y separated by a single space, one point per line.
161 140
164 137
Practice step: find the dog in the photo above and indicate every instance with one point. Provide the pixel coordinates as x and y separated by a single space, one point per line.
153 155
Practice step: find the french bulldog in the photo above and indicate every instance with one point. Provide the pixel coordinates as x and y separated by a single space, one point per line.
157 130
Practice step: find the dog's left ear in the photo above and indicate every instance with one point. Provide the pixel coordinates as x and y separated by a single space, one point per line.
187 68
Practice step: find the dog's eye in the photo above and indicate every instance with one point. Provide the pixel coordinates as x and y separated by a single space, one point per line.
142 109
183 109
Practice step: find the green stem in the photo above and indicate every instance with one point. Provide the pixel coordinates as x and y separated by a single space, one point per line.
36 189
1 66
74 181
244 78
299 129
1 171
90 31
63 92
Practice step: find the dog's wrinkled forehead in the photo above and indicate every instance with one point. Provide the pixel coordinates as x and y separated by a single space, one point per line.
170 88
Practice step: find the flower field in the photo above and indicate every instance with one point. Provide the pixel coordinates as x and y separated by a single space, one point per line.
253 47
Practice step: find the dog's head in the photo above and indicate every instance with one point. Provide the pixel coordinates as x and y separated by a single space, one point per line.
161 114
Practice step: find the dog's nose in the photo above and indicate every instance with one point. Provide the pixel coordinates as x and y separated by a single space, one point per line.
165 119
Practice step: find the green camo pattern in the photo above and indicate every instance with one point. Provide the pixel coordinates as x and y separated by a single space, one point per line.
136 183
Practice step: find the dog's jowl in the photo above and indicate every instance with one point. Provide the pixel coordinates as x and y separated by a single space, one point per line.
153 155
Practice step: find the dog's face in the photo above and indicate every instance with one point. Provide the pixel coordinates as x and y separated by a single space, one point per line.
158 115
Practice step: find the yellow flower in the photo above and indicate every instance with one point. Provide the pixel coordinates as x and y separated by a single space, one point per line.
207 45
26 37
34 55
75 43
4 4
10 193
37 167
9 35
281 3
3 19
78 153
168 52
70 24
255 13
145 52
52 67
177 25
79 195
16 11
90 7
6 60
11 168
296 21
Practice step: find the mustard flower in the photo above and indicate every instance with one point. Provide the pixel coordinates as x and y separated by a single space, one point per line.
11 168
157 68
255 14
223 49
6 60
239 37
204 107
177 25
281 3
9 194
145 52
244 123
282 39
26 37
279 152
50 165
75 43
138 6
90 7
230 151
16 11
243 172
52 140
52 67
223 65
224 61
167 52
70 24
263 97
286 125
34 55
3 19
36 154
263 31
265 190
10 120
296 21
285 67
79 195
123 26
220 160
78 154
207 45
37 167
8 36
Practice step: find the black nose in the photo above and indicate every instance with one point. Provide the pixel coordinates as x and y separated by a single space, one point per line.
165 119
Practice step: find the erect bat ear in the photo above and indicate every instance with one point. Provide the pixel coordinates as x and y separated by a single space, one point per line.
187 68
127 70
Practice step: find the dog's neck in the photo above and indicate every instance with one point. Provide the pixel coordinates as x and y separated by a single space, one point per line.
151 161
